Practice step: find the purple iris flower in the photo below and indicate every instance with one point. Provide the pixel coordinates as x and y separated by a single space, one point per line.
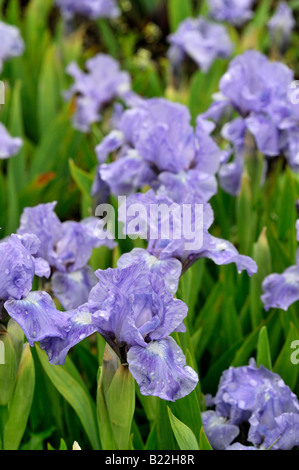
282 290
9 146
132 310
281 26
156 145
236 12
179 231
18 266
91 8
259 90
11 43
260 398
202 40
102 82
67 247
136 318
35 312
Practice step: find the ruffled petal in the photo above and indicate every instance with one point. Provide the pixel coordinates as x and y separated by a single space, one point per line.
38 317
80 328
170 269
219 431
223 252
281 290
160 370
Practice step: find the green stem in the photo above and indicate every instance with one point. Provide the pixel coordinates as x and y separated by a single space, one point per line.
3 419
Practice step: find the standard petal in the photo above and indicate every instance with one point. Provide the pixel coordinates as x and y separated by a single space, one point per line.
116 320
16 269
230 177
73 289
109 144
42 221
160 370
265 133
170 269
42 267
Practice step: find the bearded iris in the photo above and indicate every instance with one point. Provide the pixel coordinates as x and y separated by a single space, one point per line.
201 40
173 247
35 312
281 26
236 12
260 398
258 90
91 8
135 314
102 83
156 145
67 247
282 290
9 146
11 43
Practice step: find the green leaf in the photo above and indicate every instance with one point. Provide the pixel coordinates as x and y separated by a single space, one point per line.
184 436
109 38
262 256
17 163
20 405
37 439
82 179
248 346
287 213
74 394
17 337
263 350
8 370
48 154
178 11
121 406
203 441
111 364
181 408
231 323
199 102
209 317
245 217
49 92
283 365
